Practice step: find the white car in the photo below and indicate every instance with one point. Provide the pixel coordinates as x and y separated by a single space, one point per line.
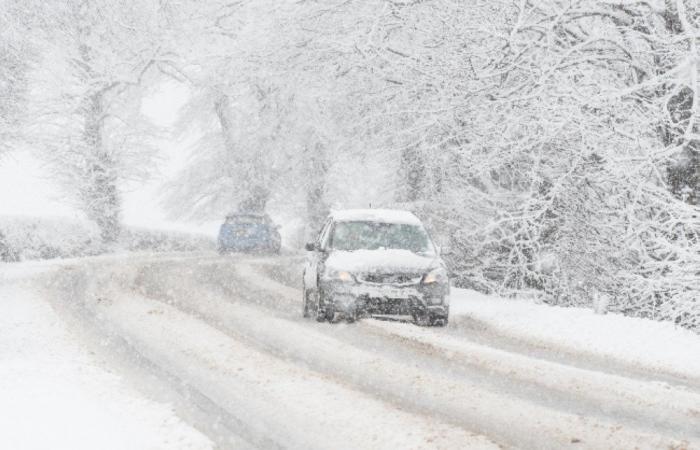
375 262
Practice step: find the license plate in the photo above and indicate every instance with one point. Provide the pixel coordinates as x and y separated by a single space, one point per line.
390 292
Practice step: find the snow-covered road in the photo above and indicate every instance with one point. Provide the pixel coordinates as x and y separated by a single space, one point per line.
223 341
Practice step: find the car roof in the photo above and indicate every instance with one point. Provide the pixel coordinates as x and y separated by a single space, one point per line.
375 215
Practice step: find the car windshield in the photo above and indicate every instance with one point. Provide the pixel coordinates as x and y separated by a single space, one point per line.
350 236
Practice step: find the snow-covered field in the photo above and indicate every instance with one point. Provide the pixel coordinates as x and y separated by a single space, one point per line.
224 336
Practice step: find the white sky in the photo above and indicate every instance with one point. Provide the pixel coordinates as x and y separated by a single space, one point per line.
26 189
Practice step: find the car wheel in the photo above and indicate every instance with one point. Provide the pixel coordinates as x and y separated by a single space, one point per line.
422 319
325 311
438 321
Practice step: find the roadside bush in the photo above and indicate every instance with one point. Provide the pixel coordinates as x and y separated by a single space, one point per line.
27 238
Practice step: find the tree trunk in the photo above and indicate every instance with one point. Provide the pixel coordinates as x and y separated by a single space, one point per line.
413 171
222 106
317 169
251 184
684 174
99 194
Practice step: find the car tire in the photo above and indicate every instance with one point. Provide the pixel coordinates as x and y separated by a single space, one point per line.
325 311
422 319
425 319
438 321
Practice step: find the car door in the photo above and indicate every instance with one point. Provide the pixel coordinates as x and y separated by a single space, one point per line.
315 259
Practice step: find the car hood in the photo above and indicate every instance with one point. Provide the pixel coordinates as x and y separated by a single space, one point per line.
381 261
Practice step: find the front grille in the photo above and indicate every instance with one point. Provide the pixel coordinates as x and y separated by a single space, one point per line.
392 306
391 278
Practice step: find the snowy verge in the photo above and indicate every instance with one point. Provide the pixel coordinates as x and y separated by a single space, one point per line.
641 342
52 394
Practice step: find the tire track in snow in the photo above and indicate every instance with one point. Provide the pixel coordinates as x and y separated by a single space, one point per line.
296 407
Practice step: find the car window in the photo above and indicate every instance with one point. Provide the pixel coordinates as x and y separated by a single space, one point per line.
360 235
323 234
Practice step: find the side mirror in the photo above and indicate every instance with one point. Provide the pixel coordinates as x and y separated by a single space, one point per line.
310 247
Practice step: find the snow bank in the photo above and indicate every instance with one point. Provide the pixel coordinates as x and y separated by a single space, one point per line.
52 395
655 345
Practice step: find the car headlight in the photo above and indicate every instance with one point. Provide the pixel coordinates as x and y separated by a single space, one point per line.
438 275
340 275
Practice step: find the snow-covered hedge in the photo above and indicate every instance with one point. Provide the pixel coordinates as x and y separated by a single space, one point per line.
24 238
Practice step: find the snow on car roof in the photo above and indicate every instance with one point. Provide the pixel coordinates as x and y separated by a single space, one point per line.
376 215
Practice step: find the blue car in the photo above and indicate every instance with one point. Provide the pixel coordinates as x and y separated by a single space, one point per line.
249 232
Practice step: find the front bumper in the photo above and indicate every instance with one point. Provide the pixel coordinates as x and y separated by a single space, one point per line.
388 299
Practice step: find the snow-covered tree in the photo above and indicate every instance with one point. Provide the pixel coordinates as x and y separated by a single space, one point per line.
551 140
564 144
266 103
87 104
16 56
232 106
